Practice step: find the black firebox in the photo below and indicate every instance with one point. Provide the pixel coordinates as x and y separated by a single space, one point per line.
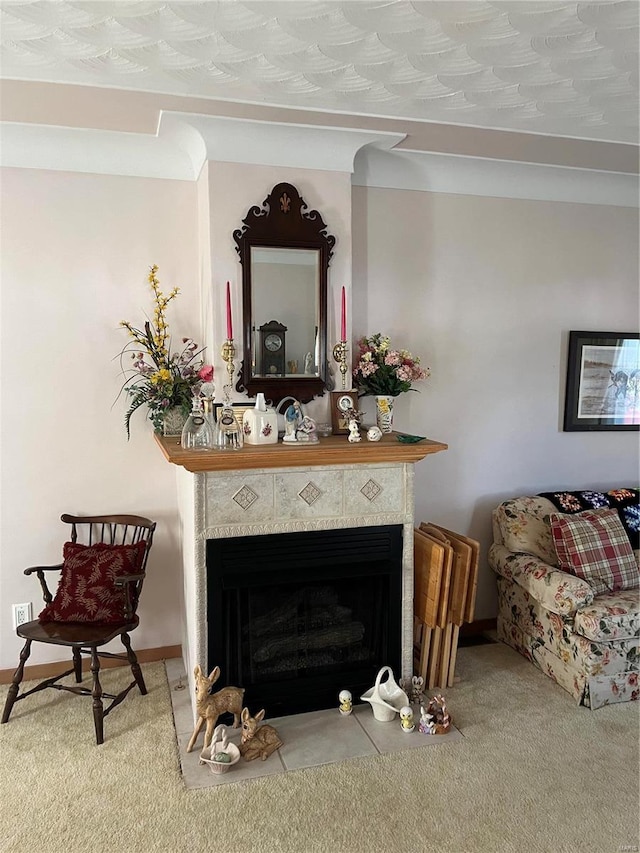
296 617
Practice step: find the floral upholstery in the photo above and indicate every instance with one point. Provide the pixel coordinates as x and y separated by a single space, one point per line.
589 644
612 616
523 527
557 591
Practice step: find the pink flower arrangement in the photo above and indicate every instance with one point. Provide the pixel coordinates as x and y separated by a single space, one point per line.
380 369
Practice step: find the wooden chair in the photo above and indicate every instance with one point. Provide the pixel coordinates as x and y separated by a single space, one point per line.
85 638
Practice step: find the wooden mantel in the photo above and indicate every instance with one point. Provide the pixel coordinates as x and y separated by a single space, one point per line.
334 450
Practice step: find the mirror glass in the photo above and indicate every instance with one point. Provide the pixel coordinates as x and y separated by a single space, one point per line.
284 251
284 289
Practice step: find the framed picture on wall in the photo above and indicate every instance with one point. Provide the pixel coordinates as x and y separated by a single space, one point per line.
603 381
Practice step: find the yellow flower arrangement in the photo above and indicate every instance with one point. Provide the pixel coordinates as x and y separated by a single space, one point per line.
159 378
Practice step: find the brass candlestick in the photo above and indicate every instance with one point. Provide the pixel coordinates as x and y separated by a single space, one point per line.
340 355
228 353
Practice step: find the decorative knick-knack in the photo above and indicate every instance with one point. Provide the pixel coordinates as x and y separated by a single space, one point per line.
384 412
413 688
257 741
229 435
346 702
292 419
441 718
260 424
197 433
406 719
307 431
427 722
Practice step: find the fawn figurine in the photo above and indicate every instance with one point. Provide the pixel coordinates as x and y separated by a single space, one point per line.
210 705
256 740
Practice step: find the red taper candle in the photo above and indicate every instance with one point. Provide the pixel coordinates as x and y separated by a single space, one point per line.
343 324
229 323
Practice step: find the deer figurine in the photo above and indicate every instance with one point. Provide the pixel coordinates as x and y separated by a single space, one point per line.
210 705
256 740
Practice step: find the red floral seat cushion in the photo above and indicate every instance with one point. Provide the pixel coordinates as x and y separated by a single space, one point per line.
87 591
594 546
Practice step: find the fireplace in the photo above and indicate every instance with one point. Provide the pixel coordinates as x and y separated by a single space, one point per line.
239 510
296 617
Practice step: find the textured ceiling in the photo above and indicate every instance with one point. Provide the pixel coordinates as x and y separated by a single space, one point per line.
568 69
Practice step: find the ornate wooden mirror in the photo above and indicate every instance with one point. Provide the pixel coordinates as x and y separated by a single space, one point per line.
284 250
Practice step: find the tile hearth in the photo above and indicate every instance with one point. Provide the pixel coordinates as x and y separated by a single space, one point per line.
319 737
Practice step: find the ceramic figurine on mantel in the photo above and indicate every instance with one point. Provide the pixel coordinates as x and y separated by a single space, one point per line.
353 422
307 432
346 702
292 420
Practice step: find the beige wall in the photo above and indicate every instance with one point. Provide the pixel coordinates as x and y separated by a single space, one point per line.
75 255
485 290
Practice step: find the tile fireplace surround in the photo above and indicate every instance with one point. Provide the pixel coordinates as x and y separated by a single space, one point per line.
279 489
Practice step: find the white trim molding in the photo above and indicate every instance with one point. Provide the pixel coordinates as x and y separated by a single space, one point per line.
450 173
182 144
185 141
266 143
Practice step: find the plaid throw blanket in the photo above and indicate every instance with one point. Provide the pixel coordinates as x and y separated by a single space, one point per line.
625 501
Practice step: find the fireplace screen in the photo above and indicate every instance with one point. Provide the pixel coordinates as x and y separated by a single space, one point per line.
296 617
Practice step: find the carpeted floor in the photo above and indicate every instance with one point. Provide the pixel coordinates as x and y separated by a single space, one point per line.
534 773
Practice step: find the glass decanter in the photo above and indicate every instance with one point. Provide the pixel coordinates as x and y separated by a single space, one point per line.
197 433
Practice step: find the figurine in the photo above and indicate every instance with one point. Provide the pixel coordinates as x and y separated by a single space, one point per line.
374 433
257 740
307 431
292 421
438 710
308 363
210 705
406 719
346 702
417 683
427 722
413 688
353 422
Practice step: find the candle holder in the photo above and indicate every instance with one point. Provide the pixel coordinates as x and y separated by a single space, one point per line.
228 353
340 355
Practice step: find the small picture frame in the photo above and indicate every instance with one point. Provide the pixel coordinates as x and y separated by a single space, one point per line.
238 410
341 403
603 381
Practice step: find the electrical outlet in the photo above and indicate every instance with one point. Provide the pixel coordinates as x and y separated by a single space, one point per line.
21 614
